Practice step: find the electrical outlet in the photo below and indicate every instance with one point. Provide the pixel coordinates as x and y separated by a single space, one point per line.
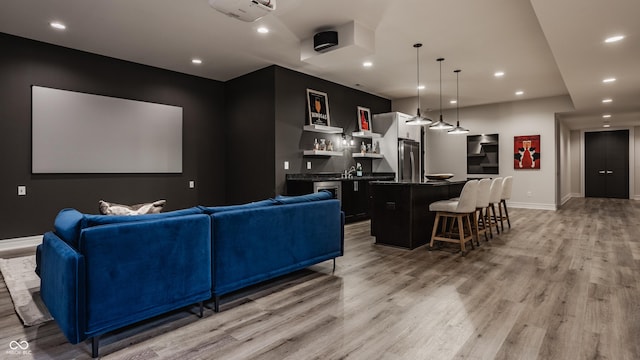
308 165
529 193
22 190
192 184
286 165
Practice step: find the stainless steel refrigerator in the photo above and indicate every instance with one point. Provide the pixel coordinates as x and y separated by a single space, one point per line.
409 161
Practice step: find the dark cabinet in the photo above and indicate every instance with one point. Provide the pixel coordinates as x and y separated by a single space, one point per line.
482 154
355 200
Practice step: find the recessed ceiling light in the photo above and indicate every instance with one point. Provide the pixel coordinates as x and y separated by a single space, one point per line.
519 92
608 80
263 30
196 61
58 25
499 74
454 101
367 64
606 125
614 38
606 116
421 87
607 100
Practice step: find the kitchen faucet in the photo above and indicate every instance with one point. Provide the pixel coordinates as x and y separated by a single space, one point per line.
349 173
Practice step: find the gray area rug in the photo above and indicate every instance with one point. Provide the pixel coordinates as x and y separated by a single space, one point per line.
24 287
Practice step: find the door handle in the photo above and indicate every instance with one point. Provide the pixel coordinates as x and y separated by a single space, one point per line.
601 172
609 172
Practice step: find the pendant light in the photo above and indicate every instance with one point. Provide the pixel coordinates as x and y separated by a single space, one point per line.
418 119
441 124
458 129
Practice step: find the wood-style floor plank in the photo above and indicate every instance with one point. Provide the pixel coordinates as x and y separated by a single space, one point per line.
557 285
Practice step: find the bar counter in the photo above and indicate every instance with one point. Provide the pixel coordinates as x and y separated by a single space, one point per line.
400 213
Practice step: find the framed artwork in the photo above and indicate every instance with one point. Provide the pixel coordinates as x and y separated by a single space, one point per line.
364 119
318 105
526 152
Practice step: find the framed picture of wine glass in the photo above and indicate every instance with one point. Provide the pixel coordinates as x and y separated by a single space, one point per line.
526 152
364 119
318 106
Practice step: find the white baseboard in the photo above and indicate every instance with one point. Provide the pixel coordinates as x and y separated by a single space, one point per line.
20 243
636 197
569 197
533 206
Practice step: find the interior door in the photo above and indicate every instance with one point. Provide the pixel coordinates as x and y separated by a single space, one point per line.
607 164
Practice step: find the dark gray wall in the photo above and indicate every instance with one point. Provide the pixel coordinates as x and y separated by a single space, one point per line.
267 110
25 62
251 136
291 116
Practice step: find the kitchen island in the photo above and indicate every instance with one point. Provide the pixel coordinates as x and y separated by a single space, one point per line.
400 213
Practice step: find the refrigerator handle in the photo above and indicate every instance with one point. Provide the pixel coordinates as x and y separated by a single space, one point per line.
412 160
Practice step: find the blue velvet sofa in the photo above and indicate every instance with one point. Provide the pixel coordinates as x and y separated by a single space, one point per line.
259 241
102 272
99 273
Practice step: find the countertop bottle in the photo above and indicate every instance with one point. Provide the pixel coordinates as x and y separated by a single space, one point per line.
358 169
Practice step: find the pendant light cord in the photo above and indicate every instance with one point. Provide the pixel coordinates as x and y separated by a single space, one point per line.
458 96
440 61
418 74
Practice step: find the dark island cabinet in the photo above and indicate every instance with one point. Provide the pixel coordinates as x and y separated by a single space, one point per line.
400 211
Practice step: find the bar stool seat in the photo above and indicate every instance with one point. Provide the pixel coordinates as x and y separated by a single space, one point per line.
458 211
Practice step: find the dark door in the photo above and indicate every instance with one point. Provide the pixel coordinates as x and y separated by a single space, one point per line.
607 164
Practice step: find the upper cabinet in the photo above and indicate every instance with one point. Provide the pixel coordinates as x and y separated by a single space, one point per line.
405 131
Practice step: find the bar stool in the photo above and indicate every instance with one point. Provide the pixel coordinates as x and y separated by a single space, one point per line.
457 210
482 203
494 198
506 195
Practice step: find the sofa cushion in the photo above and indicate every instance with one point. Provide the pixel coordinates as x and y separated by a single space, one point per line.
321 195
109 208
216 209
69 222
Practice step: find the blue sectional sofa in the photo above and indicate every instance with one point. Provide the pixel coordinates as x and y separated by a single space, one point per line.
262 240
99 272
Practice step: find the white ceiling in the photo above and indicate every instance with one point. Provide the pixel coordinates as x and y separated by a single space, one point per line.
545 48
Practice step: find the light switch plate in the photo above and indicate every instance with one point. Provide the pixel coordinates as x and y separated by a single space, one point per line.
286 165
308 165
192 184
22 190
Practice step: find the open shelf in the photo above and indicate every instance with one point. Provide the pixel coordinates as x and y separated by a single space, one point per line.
366 134
322 153
368 155
323 129
482 154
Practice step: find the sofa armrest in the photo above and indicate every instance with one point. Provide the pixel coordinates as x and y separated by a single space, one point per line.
141 269
61 283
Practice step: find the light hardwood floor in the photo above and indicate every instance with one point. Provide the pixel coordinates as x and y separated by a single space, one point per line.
558 285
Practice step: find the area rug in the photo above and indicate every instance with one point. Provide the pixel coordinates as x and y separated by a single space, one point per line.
24 287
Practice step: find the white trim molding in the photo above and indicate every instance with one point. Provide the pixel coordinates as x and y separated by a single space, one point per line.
533 206
20 243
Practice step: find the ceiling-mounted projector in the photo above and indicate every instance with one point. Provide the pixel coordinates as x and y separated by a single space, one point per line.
245 10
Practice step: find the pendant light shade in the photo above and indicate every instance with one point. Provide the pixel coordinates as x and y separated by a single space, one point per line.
441 124
418 119
458 129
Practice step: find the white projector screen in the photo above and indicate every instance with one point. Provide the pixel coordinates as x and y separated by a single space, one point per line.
75 132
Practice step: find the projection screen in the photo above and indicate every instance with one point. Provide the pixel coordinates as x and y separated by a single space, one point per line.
76 132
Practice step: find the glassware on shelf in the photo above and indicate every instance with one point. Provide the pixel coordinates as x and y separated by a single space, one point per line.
316 146
323 145
330 146
363 148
